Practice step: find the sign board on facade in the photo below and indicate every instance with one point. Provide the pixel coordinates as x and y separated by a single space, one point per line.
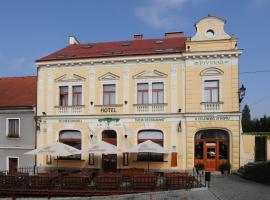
209 62
149 119
108 110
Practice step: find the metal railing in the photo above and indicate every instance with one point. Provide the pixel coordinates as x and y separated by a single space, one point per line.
90 183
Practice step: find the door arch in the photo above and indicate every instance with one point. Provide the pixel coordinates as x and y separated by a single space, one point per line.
109 161
211 147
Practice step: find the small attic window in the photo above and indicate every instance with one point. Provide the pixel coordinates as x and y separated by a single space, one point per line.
87 46
126 43
159 41
210 33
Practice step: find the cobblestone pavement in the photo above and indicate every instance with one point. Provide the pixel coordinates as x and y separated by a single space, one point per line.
235 188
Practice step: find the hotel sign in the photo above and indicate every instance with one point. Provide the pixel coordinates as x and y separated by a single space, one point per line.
212 118
108 109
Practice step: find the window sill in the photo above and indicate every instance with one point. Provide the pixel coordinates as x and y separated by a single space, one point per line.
13 137
69 106
112 105
61 159
151 104
219 102
151 161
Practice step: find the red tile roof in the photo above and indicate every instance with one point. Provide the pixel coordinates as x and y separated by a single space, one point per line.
18 92
120 48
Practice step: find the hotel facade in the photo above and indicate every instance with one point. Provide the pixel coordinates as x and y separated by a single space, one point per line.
180 92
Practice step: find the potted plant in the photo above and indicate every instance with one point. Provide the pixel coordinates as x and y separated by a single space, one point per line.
225 168
199 168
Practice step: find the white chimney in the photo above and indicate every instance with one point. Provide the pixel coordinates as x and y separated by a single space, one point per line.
73 40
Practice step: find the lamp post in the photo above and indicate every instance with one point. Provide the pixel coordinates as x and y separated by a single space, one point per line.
241 92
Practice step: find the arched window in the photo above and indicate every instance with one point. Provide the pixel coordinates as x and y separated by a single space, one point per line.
155 136
71 138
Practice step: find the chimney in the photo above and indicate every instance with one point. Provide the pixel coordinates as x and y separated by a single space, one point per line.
174 34
73 40
138 37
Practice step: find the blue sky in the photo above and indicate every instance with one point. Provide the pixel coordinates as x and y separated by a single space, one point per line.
34 28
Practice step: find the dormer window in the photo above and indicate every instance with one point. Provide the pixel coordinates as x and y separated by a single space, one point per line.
210 33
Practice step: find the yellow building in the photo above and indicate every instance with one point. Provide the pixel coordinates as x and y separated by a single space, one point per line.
178 91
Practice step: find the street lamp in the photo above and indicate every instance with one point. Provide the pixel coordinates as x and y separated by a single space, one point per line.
242 92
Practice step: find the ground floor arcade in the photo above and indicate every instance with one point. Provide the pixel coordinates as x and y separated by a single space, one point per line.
209 138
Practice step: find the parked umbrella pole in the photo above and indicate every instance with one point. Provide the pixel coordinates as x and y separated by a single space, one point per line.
148 160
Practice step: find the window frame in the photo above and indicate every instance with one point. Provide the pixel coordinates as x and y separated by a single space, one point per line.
143 91
71 140
158 141
65 93
108 92
211 89
7 128
7 162
76 93
158 92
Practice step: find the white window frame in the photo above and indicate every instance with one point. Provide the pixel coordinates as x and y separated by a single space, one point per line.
110 82
7 126
70 96
212 78
150 94
7 162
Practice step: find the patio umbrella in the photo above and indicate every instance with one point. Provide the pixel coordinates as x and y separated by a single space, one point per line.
103 148
147 147
57 149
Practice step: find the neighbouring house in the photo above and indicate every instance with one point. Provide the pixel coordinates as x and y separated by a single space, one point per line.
17 121
180 92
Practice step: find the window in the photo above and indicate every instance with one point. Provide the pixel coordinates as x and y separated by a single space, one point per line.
157 93
71 138
76 95
63 100
142 93
109 94
13 128
211 91
155 136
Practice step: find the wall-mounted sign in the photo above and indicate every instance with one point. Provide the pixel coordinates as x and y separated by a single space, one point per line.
213 118
212 62
149 119
69 120
108 110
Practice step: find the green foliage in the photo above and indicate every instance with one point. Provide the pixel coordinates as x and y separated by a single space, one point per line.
225 167
259 172
254 125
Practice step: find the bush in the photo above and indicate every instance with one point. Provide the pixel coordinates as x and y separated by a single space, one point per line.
225 167
259 172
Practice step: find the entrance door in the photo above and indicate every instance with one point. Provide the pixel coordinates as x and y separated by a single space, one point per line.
260 148
210 156
109 161
211 148
13 165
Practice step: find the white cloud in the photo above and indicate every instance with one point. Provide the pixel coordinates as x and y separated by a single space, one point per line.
157 13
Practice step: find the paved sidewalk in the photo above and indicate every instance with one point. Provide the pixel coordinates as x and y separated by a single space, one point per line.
233 187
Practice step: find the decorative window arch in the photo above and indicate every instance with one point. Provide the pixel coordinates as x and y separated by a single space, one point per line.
72 138
211 71
155 136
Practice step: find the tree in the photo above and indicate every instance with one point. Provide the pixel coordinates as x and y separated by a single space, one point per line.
246 119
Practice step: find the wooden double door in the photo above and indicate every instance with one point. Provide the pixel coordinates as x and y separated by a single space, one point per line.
211 152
